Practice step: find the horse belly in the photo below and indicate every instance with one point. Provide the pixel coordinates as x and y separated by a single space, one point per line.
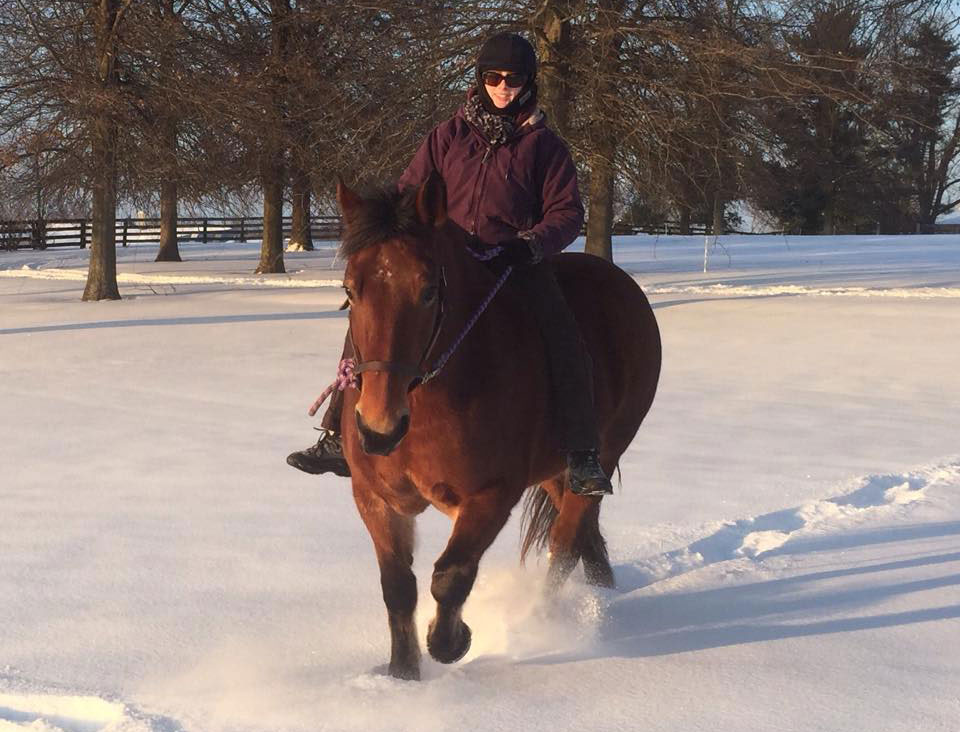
621 334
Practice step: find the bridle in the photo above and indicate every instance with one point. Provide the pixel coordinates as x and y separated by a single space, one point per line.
419 376
415 371
349 368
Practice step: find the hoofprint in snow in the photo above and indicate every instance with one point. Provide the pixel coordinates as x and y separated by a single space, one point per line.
786 540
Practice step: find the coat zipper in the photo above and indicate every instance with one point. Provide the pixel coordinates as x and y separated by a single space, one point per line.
478 190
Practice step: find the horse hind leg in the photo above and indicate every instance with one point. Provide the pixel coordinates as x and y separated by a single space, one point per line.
393 540
593 551
593 547
575 536
479 521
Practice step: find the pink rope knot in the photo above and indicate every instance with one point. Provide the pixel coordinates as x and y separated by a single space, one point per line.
345 379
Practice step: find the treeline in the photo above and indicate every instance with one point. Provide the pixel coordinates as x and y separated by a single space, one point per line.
823 116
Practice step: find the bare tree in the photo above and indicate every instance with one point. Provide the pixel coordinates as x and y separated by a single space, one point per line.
106 17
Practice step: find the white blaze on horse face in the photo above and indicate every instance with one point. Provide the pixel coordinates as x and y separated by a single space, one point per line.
379 336
384 269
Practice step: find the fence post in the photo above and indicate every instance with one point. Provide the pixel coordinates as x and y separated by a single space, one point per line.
126 226
203 236
243 228
83 234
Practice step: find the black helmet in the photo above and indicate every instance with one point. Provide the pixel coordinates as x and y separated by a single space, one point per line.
507 52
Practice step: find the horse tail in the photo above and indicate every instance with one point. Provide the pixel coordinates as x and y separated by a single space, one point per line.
537 519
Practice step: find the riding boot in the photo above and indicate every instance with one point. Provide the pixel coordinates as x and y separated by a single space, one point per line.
326 456
570 378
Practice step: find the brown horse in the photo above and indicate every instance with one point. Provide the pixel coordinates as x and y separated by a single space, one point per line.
471 441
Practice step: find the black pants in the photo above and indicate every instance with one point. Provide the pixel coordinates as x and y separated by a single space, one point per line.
571 384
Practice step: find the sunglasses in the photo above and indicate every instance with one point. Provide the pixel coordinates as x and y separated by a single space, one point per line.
492 78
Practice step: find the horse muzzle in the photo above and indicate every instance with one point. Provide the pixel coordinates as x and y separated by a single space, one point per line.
379 443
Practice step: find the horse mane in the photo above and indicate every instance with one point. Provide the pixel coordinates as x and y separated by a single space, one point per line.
385 214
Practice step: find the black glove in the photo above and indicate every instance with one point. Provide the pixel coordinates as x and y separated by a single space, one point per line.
521 251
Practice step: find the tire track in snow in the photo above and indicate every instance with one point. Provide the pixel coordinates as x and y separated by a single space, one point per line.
871 498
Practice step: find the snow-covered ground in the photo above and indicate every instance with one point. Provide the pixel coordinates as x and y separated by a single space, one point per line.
786 540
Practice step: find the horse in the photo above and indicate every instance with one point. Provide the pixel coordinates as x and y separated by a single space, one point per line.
472 434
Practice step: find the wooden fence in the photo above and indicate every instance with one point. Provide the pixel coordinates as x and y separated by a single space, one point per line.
76 232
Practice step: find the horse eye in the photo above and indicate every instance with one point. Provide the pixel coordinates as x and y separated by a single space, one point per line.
429 295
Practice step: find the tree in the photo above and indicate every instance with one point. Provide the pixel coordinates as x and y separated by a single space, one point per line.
923 130
820 162
107 18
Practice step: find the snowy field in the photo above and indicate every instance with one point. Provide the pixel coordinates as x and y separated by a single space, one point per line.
786 540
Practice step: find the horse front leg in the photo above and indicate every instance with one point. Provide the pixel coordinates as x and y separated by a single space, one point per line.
479 521
393 540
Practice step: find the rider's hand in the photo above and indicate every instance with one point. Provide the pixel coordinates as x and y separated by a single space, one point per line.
521 251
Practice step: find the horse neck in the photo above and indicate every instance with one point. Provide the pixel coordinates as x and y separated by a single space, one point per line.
468 283
468 278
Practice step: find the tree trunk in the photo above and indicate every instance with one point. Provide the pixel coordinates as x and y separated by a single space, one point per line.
102 272
829 222
684 221
604 143
554 51
271 163
301 238
600 215
271 250
718 209
169 249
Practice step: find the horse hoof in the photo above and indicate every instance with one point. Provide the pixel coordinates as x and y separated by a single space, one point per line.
405 673
455 650
599 575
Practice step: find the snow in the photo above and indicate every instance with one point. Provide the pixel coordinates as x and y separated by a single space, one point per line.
786 539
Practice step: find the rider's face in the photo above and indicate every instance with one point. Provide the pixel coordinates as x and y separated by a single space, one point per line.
502 94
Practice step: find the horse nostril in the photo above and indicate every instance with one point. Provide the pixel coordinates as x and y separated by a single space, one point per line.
378 443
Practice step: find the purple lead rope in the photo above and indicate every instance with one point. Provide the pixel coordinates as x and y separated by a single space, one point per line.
346 378
445 356
485 256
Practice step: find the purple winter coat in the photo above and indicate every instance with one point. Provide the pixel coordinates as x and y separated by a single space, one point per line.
528 184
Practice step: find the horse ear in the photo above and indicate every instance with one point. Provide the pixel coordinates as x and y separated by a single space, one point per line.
432 201
348 201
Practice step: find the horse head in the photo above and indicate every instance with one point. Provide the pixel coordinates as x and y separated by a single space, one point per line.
393 283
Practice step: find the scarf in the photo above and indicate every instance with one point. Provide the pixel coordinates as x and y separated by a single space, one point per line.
496 128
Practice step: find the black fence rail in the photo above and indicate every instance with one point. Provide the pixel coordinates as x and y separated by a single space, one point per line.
76 232
666 228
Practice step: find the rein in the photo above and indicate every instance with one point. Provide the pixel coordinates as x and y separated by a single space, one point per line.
349 368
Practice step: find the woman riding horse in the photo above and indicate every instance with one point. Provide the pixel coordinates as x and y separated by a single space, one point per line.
510 183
